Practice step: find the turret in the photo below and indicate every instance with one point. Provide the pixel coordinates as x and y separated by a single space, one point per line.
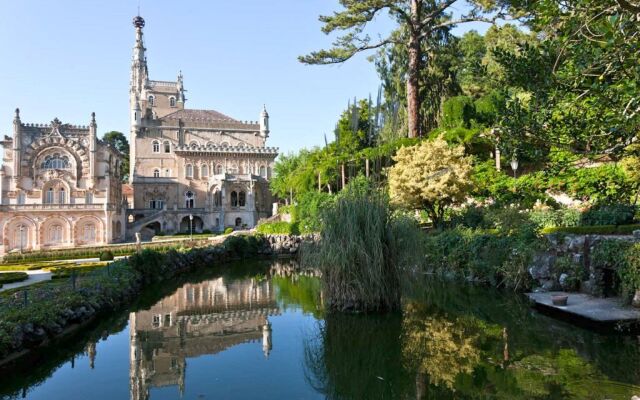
93 129
17 146
264 122
180 87
139 78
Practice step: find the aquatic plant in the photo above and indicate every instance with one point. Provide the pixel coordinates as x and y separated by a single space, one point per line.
361 250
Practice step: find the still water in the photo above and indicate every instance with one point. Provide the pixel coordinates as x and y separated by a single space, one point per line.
257 331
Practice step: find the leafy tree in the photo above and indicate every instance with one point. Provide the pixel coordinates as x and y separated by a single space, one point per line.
584 76
419 21
432 176
119 141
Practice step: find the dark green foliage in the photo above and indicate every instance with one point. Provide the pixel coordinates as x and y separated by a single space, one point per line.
242 246
119 141
624 258
500 259
106 256
12 277
615 214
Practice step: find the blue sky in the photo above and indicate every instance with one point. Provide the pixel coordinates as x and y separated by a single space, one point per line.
68 58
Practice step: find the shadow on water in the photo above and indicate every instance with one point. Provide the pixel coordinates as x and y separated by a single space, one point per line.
451 341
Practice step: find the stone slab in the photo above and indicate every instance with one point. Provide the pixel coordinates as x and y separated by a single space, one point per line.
601 310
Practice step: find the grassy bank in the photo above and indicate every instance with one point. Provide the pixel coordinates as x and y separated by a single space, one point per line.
31 315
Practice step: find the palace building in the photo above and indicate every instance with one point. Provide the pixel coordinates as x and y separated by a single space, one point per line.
191 169
59 187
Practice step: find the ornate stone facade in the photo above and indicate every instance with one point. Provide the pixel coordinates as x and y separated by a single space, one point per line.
59 187
192 169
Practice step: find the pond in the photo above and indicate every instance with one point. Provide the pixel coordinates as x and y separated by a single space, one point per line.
257 331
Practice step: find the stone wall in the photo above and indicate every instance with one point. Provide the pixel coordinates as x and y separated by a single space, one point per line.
285 245
549 268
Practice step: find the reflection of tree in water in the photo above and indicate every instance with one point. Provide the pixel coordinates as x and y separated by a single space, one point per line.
439 348
357 357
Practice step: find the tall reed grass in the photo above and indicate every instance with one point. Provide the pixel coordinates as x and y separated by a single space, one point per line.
362 250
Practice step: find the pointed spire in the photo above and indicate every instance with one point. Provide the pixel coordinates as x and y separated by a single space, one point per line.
93 119
17 114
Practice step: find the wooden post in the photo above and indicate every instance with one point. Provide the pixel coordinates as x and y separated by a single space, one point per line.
344 180
319 182
366 167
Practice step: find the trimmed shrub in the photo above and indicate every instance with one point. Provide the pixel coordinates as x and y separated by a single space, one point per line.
594 230
12 277
228 230
106 256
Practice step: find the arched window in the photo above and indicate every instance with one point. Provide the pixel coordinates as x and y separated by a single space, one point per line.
56 161
238 221
204 171
152 101
242 199
188 171
62 196
217 198
89 233
194 144
268 172
234 199
21 239
224 144
189 199
156 146
50 196
156 173
219 169
172 101
55 234
263 171
210 144
167 146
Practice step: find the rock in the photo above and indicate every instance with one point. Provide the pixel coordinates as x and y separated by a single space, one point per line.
563 280
541 265
575 243
547 285
636 299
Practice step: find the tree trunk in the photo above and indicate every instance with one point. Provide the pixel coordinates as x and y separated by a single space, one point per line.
413 79
319 182
367 167
344 179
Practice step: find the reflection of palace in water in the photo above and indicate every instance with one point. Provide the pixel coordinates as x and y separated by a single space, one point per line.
198 319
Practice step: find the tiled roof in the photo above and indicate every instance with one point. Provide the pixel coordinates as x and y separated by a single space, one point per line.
127 189
186 114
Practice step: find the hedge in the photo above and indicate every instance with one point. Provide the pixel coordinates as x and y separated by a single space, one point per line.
12 277
594 229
